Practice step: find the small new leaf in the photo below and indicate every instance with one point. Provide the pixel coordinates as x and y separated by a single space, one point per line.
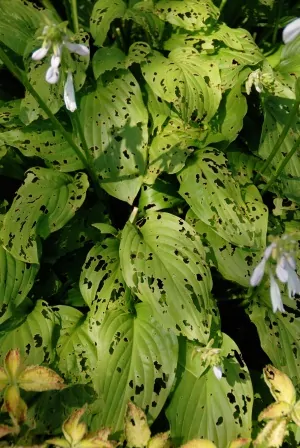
296 413
281 387
160 440
39 379
137 432
12 363
3 379
240 443
14 404
275 410
72 429
197 443
272 434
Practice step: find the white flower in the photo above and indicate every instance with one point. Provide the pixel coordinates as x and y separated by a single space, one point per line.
281 252
40 53
69 94
218 372
291 31
80 49
52 75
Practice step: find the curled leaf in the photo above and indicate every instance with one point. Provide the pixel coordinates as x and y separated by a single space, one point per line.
3 379
137 431
199 443
56 441
72 429
14 404
161 440
281 387
240 443
39 379
272 434
275 410
12 363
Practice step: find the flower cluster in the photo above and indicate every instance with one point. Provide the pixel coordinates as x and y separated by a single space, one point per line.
54 37
280 253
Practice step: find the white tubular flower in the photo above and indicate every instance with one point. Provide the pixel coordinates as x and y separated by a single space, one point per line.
52 75
291 31
39 54
69 94
218 372
275 295
282 253
80 49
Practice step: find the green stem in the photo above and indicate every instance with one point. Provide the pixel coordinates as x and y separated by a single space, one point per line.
282 165
277 23
280 140
74 16
21 76
48 5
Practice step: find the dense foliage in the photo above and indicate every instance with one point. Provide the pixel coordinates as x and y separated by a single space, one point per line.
150 212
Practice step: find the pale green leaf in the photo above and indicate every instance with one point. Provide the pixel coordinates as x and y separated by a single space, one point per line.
158 109
163 262
215 197
105 12
137 362
142 13
101 281
115 122
187 80
205 407
190 14
159 196
9 114
34 336
16 280
44 203
108 58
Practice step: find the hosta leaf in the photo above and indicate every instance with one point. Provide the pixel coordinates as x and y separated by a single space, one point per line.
215 197
44 203
105 12
159 196
101 280
34 337
16 280
185 79
190 14
9 114
162 260
142 13
77 345
115 125
40 140
205 407
170 148
19 21
279 333
137 362
234 263
277 112
158 109
108 58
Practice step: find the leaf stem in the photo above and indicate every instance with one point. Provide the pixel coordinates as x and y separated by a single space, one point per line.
279 141
85 157
74 16
282 165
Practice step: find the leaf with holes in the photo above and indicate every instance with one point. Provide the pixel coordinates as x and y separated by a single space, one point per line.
159 196
205 407
215 197
115 122
44 203
104 13
279 334
16 280
142 13
171 147
158 109
190 14
41 140
101 281
35 336
137 362
108 58
9 114
187 80
163 262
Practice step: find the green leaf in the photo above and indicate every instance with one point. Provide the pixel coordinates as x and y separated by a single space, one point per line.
19 21
16 280
137 362
190 14
44 203
279 333
171 147
215 197
158 109
77 345
277 112
108 58
163 262
142 13
187 80
40 140
35 336
105 12
234 263
101 280
159 196
205 407
9 114
115 122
